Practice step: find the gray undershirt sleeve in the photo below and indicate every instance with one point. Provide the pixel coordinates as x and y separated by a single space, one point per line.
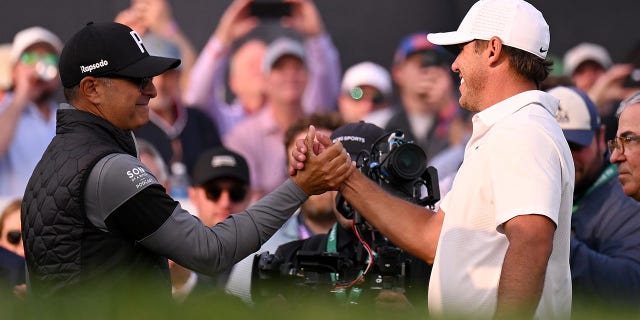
184 239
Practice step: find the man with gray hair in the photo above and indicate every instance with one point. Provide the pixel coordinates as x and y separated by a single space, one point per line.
605 248
624 146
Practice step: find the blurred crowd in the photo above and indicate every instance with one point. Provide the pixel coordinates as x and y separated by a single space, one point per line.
217 155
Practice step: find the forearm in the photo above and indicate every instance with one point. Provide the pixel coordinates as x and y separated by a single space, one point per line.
188 242
8 123
521 280
411 227
610 274
207 76
325 72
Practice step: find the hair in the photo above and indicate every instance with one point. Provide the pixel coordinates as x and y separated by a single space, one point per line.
526 64
328 121
633 99
11 207
71 94
146 147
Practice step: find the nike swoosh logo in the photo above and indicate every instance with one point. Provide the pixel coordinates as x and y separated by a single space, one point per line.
543 50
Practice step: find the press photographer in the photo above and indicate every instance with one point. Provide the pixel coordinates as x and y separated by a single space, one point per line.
354 262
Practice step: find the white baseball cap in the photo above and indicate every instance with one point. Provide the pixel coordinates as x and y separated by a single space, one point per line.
367 73
30 36
516 22
585 52
577 115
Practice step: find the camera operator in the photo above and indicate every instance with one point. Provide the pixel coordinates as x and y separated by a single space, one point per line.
401 284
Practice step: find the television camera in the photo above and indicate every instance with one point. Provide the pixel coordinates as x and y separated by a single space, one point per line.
370 260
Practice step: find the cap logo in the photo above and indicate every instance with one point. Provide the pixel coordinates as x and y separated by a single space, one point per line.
223 161
350 138
97 65
137 40
562 115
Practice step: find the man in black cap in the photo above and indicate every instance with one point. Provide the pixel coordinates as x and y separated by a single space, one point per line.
220 185
94 215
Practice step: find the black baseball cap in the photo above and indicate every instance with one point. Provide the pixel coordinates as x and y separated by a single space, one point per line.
218 163
109 49
357 137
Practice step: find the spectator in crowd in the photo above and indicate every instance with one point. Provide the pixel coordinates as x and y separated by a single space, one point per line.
499 242
220 185
111 226
624 147
246 79
426 91
5 69
12 265
585 63
605 261
259 138
155 18
180 133
150 157
366 94
27 111
315 215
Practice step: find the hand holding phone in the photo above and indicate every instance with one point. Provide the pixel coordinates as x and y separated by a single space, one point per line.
269 9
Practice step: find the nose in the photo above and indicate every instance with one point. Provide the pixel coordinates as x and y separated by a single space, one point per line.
616 157
150 90
225 199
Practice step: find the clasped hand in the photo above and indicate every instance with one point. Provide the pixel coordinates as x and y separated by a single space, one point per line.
317 164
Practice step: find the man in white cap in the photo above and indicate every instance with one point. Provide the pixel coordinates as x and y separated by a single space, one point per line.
500 239
605 247
585 63
366 94
27 111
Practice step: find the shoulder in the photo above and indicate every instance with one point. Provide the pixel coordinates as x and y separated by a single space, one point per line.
116 178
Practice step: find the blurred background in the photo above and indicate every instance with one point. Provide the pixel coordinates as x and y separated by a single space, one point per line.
361 29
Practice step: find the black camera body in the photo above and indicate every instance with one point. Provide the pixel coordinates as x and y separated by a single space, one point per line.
399 167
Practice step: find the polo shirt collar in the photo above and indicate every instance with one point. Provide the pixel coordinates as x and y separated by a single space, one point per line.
512 104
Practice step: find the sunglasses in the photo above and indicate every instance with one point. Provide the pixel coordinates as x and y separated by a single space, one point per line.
32 58
14 237
141 83
237 192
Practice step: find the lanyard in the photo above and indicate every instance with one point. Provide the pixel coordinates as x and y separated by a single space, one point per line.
341 293
605 176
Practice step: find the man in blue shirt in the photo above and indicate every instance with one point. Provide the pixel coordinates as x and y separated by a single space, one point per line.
605 247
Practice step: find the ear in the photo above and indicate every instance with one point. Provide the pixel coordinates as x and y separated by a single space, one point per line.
89 88
494 49
601 137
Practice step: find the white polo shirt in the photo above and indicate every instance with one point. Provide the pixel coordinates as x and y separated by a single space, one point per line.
517 162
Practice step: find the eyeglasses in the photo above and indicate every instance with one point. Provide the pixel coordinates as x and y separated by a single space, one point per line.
32 58
237 192
618 143
358 94
14 237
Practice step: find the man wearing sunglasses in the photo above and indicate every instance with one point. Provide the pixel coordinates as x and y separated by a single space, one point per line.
95 218
27 111
605 247
220 185
366 94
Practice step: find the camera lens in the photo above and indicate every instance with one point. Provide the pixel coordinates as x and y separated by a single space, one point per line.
407 162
